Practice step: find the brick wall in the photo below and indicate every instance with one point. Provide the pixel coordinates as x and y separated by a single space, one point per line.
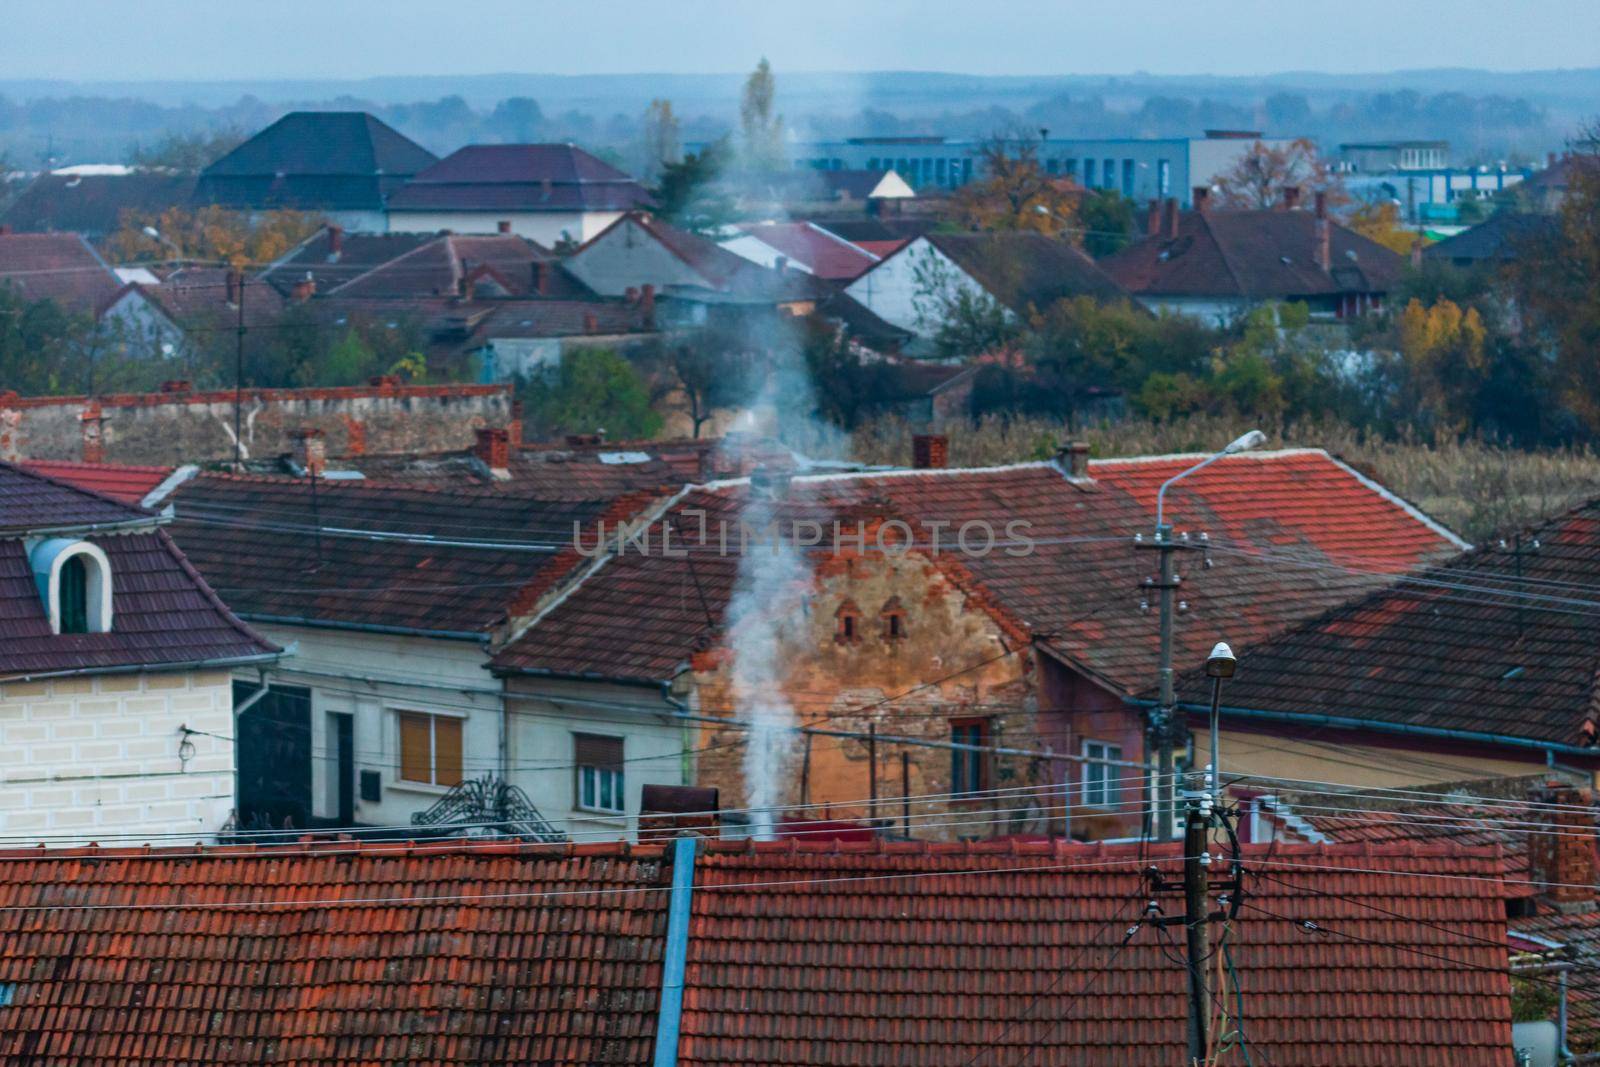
952 655
196 427
105 755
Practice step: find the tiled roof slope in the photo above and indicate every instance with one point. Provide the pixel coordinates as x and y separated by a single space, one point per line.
197 298
92 204
124 483
1253 255
1465 646
417 559
943 956
721 270
1293 534
520 177
1023 269
57 266
824 254
439 266
163 613
357 254
556 472
1499 239
529 955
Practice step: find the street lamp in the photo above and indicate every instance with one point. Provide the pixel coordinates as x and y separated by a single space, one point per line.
1242 443
1219 665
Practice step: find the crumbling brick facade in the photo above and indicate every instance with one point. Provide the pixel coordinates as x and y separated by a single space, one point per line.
179 425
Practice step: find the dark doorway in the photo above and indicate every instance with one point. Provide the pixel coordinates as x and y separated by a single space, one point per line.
342 765
274 741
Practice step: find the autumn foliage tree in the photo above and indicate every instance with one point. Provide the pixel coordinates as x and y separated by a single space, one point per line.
1015 193
1261 175
209 234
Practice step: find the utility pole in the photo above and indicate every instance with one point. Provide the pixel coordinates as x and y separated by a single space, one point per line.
1160 728
1196 909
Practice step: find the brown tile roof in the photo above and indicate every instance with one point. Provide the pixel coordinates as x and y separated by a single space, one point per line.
196 299
405 557
439 266
1007 954
1256 255
93 204
1465 646
163 613
531 955
1026 269
557 471
1076 592
804 954
824 254
57 266
358 253
520 177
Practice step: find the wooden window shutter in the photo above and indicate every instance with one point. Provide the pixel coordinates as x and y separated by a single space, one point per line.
592 750
416 747
446 751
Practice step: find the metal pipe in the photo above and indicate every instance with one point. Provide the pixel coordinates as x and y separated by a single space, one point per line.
675 954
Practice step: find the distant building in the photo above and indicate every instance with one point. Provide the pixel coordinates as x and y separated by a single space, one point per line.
548 192
341 164
1138 168
1217 265
116 699
93 204
1017 270
57 266
1379 156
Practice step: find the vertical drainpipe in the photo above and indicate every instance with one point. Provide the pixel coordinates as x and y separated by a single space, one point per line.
675 958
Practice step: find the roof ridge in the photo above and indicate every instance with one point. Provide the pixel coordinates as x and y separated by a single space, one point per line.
1222 251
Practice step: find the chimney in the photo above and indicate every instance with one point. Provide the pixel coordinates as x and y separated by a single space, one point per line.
94 449
1169 219
1324 241
930 451
1561 852
504 226
1416 251
586 440
310 451
335 241
514 427
1291 197
304 289
234 282
1152 219
631 294
384 381
10 430
541 277
493 448
676 810
591 323
177 385
1322 204
647 305
1202 197
1073 459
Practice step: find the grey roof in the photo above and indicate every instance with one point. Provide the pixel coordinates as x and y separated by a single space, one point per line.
1497 239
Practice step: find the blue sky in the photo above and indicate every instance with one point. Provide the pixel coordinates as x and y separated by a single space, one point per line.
190 39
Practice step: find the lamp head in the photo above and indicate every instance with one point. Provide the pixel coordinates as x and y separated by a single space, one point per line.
1253 439
1221 662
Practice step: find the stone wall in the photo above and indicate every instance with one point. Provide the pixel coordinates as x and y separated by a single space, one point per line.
184 426
106 755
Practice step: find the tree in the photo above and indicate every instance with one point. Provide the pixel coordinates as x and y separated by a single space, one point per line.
208 235
1015 193
965 321
712 369
762 130
517 119
187 153
661 136
690 193
43 348
1109 221
1380 221
1261 175
592 389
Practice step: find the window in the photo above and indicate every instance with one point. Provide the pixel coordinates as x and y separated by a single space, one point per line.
969 768
74 582
894 619
1100 772
1072 168
1127 177
1108 173
847 624
598 763
430 748
1163 178
1088 174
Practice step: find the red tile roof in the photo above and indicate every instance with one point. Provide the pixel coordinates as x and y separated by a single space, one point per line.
163 613
1253 255
938 963
822 253
803 954
60 267
126 483
1294 533
1466 646
531 956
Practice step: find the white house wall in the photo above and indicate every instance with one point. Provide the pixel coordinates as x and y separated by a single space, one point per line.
627 258
891 288
545 227
105 757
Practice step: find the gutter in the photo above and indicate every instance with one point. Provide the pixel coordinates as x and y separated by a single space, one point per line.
149 668
144 522
1380 726
364 627
675 957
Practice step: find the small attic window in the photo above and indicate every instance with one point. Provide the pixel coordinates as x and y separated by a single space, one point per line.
74 583
894 620
847 624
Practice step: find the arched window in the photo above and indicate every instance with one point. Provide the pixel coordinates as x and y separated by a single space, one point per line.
74 583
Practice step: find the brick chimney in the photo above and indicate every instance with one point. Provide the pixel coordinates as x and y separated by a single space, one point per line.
674 810
930 451
1291 197
1202 198
1169 219
1073 459
1561 852
94 449
234 283
304 289
493 447
647 305
384 381
310 451
631 294
591 322
335 240
514 427
541 277
10 430
1152 218
1322 204
1324 233
177 385
504 226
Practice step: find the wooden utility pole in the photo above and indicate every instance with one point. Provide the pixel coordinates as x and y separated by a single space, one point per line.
1196 906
